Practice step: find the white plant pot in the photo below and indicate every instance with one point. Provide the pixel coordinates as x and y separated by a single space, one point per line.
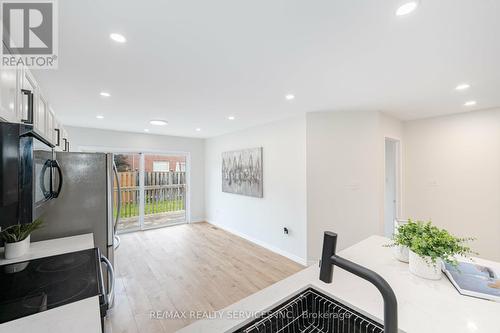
424 268
402 253
18 249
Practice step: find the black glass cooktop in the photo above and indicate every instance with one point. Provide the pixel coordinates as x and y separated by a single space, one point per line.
41 284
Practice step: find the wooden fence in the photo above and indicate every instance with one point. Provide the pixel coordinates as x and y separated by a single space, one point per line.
163 192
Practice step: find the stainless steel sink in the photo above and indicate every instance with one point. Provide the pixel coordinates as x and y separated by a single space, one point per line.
312 311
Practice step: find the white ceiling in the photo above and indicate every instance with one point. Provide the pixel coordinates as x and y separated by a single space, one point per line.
194 63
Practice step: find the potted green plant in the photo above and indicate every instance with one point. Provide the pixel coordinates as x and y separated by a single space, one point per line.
430 246
17 238
402 240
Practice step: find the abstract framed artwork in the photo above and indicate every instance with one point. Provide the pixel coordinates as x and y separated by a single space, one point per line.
242 172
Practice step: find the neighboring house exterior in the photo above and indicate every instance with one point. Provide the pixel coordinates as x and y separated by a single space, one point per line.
158 163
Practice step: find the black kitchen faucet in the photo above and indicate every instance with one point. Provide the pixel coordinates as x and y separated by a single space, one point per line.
329 259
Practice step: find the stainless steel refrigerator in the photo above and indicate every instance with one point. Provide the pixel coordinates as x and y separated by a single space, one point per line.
85 203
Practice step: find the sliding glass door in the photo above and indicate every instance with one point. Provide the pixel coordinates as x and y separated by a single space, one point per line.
153 190
128 166
164 190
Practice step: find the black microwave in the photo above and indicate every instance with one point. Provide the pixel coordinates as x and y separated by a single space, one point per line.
29 174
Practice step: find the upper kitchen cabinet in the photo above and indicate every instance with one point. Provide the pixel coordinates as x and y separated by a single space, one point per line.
65 140
60 135
61 138
35 109
51 125
22 101
40 122
27 95
9 86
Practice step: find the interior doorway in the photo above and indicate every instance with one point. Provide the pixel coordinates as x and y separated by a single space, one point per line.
152 191
392 199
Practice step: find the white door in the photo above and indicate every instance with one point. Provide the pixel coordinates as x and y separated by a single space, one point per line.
392 172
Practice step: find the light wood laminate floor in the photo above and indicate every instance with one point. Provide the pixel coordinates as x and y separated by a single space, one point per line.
189 267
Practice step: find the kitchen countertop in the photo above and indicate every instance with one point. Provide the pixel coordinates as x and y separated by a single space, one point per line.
52 247
423 305
77 317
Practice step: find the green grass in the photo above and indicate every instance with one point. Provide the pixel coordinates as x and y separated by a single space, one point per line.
132 209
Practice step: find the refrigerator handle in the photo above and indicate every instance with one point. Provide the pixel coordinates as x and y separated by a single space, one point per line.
118 200
111 280
116 242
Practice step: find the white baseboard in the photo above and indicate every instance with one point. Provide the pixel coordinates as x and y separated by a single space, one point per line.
313 262
198 220
272 248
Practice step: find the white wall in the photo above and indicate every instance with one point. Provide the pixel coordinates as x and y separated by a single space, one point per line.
452 175
325 171
343 177
262 219
136 142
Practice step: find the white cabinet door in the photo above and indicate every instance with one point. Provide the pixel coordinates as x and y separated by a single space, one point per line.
65 141
50 126
8 94
40 120
58 135
28 97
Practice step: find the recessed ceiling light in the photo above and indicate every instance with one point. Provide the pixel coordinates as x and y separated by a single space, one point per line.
231 118
105 94
146 130
407 8
470 103
198 129
290 97
158 122
118 38
463 86
100 117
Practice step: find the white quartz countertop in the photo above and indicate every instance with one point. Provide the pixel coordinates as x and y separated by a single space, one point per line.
77 317
424 306
52 247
